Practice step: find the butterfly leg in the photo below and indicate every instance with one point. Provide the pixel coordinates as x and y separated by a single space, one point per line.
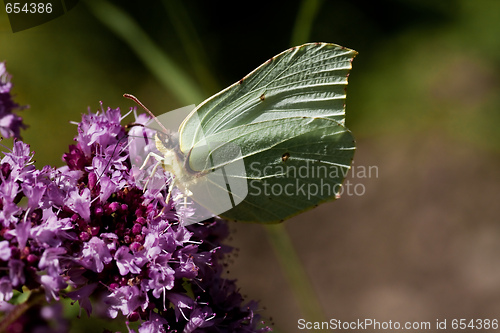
159 160
167 199
169 195
155 156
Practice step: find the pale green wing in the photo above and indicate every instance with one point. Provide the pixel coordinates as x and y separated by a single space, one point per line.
292 165
307 80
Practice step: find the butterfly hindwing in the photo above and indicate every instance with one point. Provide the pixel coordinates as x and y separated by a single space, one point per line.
318 152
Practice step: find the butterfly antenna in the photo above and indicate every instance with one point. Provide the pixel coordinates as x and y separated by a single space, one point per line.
135 99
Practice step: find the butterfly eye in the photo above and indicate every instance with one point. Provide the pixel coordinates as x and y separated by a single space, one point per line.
165 139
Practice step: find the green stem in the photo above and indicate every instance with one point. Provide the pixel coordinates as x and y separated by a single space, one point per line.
159 64
300 283
191 43
295 273
303 23
35 298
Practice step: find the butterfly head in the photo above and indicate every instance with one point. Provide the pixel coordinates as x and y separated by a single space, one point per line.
167 140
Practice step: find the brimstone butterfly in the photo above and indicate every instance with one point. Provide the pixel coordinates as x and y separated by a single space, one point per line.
271 145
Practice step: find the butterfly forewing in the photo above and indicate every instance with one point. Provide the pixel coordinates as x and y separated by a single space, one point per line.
309 80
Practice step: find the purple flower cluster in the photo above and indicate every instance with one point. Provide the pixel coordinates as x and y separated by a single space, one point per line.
87 232
10 123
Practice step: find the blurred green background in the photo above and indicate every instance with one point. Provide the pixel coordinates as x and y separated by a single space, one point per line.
423 241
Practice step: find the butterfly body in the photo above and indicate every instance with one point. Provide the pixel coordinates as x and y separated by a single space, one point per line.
174 162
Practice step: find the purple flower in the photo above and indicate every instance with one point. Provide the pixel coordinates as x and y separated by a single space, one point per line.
80 203
82 295
54 231
19 159
182 304
52 285
152 246
155 324
127 262
126 299
10 123
95 255
50 260
5 250
22 232
34 194
99 130
200 317
16 273
5 84
161 277
89 226
5 289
